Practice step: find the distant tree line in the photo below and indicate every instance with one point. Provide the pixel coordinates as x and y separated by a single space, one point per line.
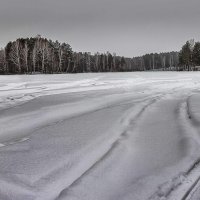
40 55
155 61
32 55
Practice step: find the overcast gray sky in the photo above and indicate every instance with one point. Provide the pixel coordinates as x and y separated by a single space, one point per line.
127 27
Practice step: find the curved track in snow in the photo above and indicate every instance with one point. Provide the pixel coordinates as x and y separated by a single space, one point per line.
107 136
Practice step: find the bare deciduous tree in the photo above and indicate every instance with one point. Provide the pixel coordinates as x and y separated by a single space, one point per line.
25 52
15 54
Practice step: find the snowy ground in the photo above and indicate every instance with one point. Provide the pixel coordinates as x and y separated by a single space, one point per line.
113 136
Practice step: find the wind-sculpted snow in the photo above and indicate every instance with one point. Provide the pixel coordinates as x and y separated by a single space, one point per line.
112 136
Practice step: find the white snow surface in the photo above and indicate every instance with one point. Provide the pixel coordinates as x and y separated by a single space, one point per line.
103 136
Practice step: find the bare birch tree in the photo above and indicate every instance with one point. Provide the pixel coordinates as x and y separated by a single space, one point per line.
15 54
25 52
2 61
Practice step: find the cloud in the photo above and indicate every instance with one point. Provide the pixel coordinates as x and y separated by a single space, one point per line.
129 27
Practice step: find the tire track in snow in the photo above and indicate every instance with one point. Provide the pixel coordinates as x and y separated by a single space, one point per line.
60 169
191 189
115 144
132 124
196 165
168 190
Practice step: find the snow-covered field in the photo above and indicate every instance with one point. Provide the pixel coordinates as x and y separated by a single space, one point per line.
106 136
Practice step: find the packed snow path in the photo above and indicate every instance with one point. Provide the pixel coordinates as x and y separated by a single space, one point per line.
112 136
